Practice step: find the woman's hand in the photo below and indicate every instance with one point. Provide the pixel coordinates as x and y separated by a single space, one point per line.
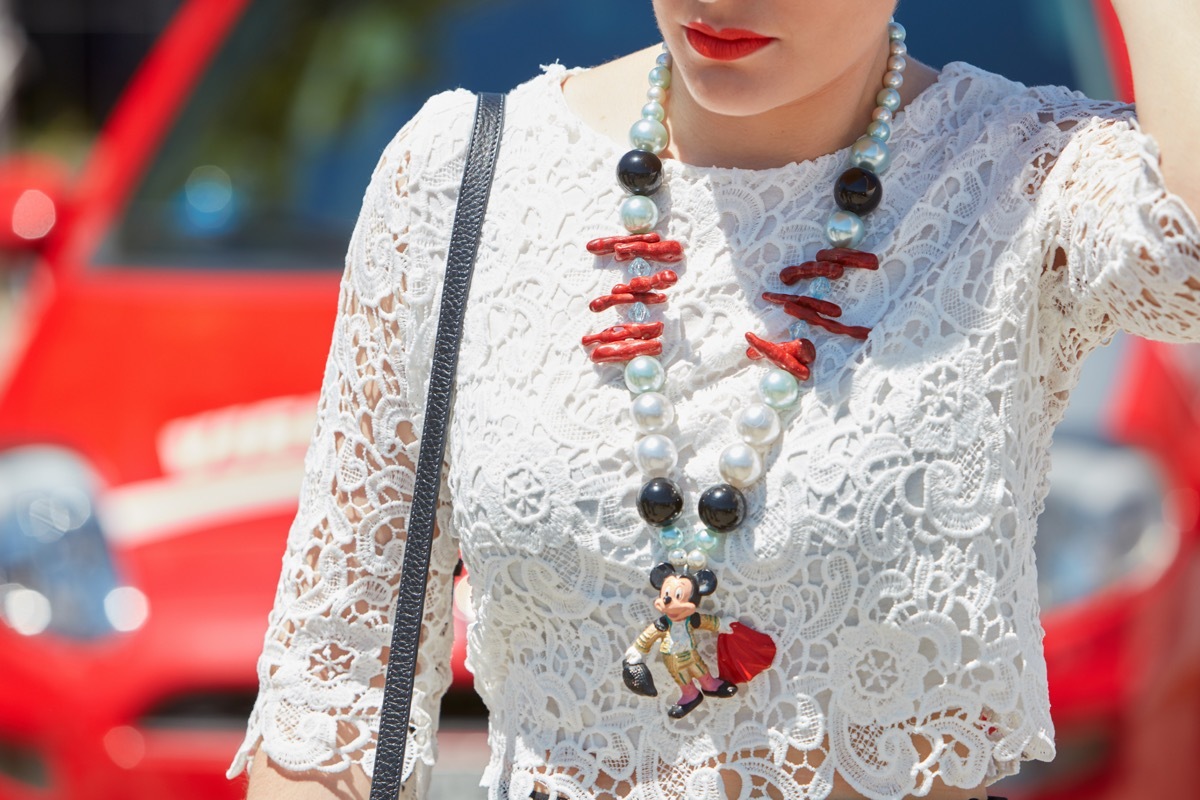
269 782
1163 37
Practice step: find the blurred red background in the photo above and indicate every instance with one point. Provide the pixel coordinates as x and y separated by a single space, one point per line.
172 246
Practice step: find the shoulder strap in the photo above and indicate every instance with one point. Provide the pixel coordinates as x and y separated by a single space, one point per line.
410 602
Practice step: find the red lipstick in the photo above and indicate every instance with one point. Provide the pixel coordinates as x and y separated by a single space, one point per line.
728 44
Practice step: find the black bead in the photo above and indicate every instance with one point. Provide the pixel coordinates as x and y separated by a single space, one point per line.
640 172
722 507
858 191
660 502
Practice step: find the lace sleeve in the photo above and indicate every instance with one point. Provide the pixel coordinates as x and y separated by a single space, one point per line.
321 671
1130 247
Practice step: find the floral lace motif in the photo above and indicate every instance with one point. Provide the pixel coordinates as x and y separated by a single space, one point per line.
889 548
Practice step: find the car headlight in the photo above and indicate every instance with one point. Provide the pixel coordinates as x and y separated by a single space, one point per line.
56 572
1105 521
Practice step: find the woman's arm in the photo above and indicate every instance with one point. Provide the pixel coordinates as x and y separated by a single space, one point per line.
1163 37
313 728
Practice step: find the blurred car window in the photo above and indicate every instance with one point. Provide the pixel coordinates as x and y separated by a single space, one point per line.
267 163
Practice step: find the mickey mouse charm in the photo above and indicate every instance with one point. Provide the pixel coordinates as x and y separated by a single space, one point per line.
679 596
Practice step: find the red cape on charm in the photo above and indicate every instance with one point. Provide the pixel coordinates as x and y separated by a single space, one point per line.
743 653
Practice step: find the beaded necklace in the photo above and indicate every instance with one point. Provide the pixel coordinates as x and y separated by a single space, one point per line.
683 578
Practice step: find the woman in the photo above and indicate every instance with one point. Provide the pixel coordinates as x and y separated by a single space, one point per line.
885 541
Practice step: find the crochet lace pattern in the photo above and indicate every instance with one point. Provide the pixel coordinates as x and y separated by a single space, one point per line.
888 549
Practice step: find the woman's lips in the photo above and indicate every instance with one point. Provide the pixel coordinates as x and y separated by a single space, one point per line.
729 44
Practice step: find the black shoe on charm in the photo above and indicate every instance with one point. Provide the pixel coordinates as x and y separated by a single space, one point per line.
680 710
726 689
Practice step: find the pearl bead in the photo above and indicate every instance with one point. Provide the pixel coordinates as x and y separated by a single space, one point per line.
858 190
640 172
678 557
845 229
656 93
653 110
652 412
740 465
664 58
758 425
870 153
696 560
670 537
660 76
880 130
779 389
820 288
888 98
655 455
882 114
898 48
893 79
896 32
660 502
645 374
649 135
897 63
705 540
722 507
639 214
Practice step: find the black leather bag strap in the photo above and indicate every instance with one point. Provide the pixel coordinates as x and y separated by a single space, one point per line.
410 602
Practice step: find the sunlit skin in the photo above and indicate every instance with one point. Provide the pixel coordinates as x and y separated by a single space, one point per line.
806 95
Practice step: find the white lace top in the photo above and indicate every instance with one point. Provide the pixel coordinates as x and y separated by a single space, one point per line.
888 549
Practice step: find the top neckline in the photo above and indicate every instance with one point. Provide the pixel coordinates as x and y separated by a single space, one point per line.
554 75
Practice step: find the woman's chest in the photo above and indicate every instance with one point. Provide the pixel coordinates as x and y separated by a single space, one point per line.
543 446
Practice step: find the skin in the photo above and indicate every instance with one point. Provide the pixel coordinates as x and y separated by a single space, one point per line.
759 112
1161 37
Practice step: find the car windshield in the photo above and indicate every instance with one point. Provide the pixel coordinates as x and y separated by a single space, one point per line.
267 162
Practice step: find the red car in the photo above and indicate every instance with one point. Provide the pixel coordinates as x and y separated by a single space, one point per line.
161 385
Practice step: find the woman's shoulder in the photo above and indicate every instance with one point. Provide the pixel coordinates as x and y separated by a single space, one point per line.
1034 111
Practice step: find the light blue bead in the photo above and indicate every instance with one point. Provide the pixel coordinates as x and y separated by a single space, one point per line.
779 389
870 153
648 135
670 537
845 229
705 540
655 111
820 288
800 330
640 268
888 98
639 214
880 130
645 374
660 76
638 312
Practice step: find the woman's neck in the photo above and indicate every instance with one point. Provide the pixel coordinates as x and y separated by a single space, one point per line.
787 133
607 98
